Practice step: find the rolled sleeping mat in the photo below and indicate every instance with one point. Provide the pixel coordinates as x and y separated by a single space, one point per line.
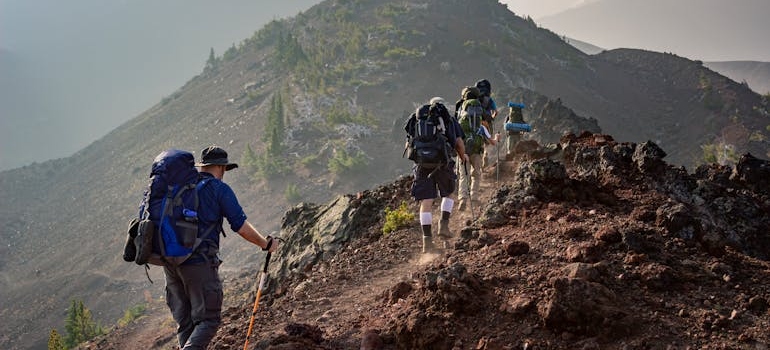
518 127
514 104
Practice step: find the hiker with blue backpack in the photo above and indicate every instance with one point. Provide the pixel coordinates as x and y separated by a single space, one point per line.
433 140
179 224
514 127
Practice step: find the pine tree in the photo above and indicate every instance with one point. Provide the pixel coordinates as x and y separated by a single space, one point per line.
55 341
249 160
211 63
80 325
275 127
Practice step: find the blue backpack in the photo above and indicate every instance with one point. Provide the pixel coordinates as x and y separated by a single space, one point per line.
168 231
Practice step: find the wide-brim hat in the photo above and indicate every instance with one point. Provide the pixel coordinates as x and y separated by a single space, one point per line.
214 155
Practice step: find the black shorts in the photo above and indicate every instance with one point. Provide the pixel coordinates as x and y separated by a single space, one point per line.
441 183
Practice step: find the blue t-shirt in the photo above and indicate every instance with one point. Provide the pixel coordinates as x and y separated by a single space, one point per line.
216 201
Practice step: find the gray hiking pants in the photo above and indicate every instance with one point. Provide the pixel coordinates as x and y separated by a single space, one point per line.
194 295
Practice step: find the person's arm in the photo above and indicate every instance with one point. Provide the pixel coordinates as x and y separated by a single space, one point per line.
456 132
485 134
493 108
460 148
249 233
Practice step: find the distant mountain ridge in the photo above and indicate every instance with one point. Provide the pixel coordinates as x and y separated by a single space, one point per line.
347 73
755 74
680 27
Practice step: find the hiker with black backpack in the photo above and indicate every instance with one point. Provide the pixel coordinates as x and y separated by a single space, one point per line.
470 116
180 221
433 139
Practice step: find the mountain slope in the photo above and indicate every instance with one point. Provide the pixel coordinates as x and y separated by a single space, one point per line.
347 74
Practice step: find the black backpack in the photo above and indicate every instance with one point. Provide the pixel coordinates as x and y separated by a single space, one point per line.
427 144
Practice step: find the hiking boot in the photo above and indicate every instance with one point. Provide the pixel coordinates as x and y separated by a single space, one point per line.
427 245
143 241
129 250
443 230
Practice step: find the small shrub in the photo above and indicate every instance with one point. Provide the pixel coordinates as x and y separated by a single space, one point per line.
292 193
343 163
397 218
132 314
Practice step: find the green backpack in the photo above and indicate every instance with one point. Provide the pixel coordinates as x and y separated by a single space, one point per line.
470 116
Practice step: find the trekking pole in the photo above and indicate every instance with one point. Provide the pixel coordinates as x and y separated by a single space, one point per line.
256 300
497 179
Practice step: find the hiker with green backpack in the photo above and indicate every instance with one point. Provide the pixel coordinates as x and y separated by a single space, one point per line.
181 218
433 139
470 115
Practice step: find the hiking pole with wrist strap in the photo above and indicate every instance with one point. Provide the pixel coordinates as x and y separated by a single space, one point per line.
256 299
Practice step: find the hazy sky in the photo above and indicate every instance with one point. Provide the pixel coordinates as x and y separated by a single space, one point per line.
540 8
707 30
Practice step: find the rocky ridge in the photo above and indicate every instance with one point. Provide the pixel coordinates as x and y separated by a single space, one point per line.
601 245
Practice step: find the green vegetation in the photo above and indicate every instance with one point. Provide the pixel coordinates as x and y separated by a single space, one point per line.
397 53
711 99
720 154
757 136
289 52
212 63
397 218
132 314
292 193
392 11
275 130
270 163
342 163
80 325
230 53
485 48
339 116
55 341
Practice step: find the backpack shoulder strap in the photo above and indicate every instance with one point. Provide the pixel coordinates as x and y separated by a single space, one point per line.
204 180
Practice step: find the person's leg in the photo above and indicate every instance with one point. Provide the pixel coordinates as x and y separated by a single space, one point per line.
475 180
179 304
510 142
424 190
426 223
205 291
462 186
446 185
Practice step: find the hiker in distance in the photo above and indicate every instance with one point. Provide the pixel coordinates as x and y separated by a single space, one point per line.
490 113
193 288
470 116
513 136
433 139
